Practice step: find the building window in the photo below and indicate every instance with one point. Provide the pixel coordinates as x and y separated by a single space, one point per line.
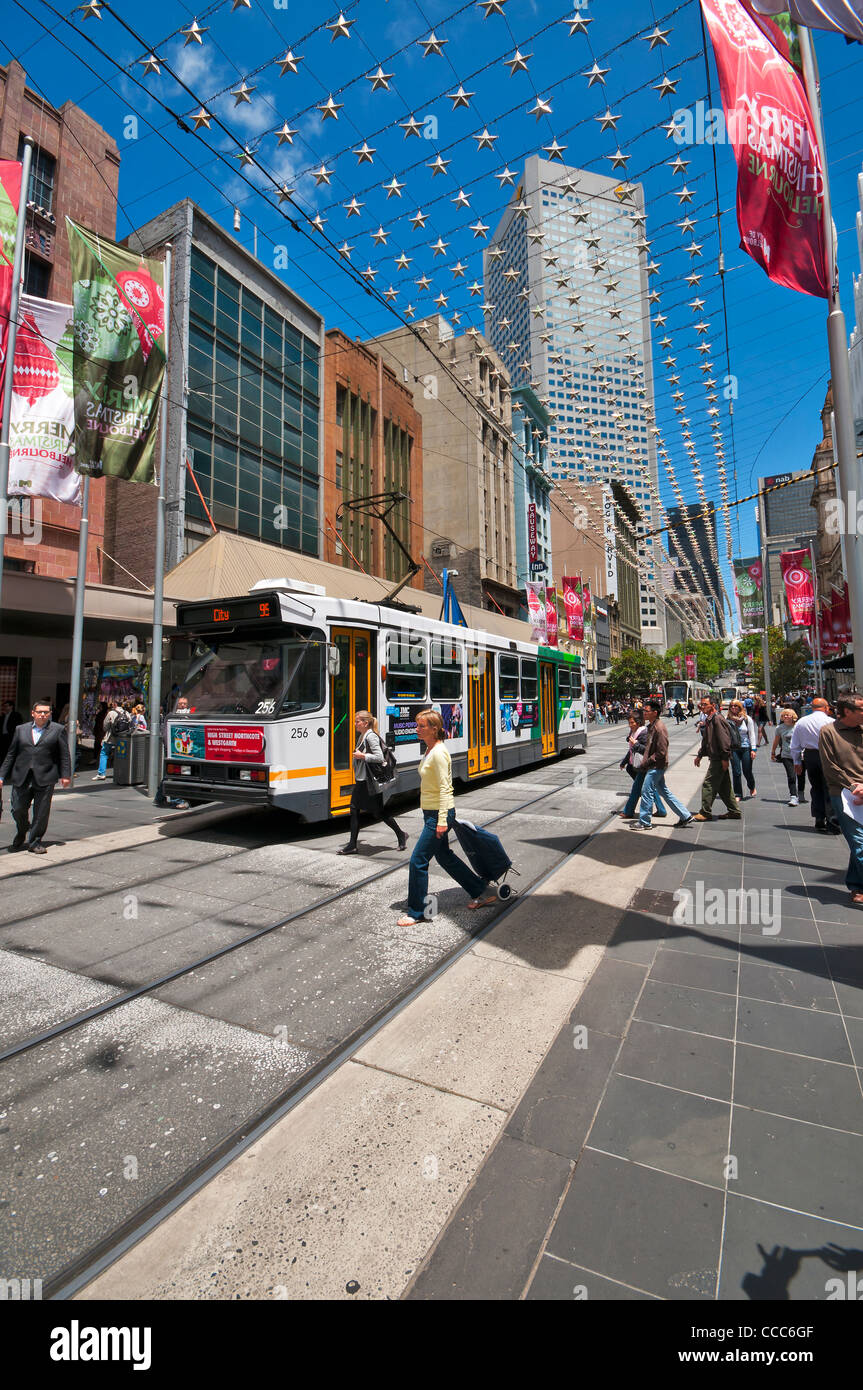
43 173
37 277
340 458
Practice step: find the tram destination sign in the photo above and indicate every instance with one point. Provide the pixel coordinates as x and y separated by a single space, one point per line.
228 612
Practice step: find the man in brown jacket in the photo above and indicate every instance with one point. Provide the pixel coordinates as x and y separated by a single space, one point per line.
716 747
654 764
840 746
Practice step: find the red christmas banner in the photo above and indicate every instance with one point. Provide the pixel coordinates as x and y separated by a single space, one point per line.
676 661
574 608
551 614
691 666
770 126
536 610
10 197
796 567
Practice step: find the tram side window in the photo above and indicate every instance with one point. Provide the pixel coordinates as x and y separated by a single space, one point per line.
529 679
445 674
406 668
508 677
564 684
575 677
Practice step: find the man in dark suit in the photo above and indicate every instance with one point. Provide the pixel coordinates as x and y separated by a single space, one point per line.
9 721
38 755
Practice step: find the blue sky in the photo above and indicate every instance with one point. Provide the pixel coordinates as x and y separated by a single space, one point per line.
777 338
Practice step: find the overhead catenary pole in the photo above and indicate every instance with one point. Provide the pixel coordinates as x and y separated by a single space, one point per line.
9 378
78 626
159 577
850 484
816 647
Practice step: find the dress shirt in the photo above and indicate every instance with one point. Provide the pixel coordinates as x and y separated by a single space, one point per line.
806 732
37 733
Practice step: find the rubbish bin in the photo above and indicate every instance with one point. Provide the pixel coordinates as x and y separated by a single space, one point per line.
131 756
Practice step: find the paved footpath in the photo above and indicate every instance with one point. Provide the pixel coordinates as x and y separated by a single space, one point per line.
596 1100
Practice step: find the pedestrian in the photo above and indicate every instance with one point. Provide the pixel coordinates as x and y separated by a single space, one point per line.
716 747
742 758
366 796
36 759
690 708
437 802
678 713
805 745
161 799
139 720
762 718
781 753
118 723
654 766
631 759
9 721
840 745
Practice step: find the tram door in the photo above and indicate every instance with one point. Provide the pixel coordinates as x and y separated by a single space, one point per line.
480 680
350 691
548 708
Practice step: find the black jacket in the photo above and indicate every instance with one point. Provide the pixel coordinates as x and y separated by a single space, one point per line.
47 760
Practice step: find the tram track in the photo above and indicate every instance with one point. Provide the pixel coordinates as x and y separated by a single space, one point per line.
99 1254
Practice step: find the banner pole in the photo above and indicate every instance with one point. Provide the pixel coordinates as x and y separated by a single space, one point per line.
765 644
78 628
846 445
159 577
816 652
9 378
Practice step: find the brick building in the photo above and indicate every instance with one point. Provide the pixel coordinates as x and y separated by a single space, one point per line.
372 444
74 173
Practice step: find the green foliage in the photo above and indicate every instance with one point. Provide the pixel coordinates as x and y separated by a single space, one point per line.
787 661
634 673
713 658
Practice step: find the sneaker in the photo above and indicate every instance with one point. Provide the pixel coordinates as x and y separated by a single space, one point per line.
682 824
100 777
639 825
793 801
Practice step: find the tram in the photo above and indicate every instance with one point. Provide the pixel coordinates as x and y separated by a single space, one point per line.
684 691
276 677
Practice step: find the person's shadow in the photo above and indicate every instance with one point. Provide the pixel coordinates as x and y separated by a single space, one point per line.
782 1263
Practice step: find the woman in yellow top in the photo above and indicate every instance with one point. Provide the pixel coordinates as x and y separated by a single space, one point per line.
438 807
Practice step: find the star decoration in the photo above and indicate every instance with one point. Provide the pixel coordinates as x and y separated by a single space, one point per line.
702 328
495 253
380 236
241 5
329 109
286 134
542 108
506 176
487 308
479 229
618 159
577 24
510 273
245 157
440 247
694 248
517 63
460 98
693 280
419 218
379 79
345 250
318 222
475 288
340 28
411 127
492 6
439 166
289 62
202 117
423 282
353 208
92 10
432 45
321 175
442 301
671 129
538 311
369 273
665 88
656 38
461 199
391 294
595 74
536 234
285 194
403 261
485 141
611 285
696 305
393 188
150 64
607 121
684 194
243 93
687 225
522 207
678 165
458 270
554 150
409 312
193 33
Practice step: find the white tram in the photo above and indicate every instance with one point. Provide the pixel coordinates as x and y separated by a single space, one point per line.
276 678
686 691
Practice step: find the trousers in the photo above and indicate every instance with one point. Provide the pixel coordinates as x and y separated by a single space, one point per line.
717 783
430 846
40 798
818 794
741 763
655 789
853 832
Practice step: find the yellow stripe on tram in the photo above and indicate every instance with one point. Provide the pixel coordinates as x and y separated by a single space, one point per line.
284 774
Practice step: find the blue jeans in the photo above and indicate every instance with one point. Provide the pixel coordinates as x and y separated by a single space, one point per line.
430 846
654 787
638 792
103 758
853 832
741 763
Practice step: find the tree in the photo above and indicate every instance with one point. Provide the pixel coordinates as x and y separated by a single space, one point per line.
713 658
787 661
634 673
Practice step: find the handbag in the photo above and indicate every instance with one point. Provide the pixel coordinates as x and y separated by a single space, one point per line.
381 774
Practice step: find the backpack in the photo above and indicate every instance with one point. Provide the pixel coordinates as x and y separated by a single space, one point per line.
384 772
122 725
736 741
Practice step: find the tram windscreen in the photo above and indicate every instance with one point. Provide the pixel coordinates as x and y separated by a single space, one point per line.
675 690
256 678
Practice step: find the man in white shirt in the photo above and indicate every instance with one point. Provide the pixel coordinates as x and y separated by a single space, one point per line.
804 751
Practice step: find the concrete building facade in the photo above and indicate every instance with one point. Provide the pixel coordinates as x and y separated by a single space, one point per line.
532 487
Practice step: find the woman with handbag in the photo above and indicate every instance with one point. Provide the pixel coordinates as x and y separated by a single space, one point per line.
437 802
366 796
636 743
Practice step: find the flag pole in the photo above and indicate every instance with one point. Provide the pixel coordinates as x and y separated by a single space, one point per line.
159 577
78 628
9 379
816 654
837 342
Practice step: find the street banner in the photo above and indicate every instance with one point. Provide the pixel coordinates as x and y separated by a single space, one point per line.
587 602
839 16
770 126
532 547
574 608
536 610
676 660
796 567
749 592
829 644
10 198
691 666
842 613
119 359
42 422
551 615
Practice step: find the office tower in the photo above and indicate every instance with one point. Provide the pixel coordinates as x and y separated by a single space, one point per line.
567 308
787 522
696 569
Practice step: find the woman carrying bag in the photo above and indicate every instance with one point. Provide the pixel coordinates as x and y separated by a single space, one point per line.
366 795
438 807
743 758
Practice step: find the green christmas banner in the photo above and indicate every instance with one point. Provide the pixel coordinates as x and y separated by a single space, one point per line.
119 356
749 592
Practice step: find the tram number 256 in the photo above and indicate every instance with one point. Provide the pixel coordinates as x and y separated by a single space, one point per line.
299 731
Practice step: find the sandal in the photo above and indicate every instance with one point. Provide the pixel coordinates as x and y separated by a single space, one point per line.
406 921
482 902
